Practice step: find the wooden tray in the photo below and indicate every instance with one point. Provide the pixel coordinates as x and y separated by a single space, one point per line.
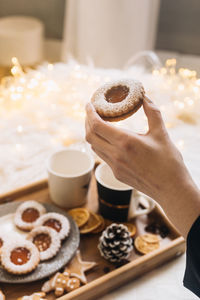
105 277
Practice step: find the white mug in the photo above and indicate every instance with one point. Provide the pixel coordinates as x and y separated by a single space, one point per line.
118 201
69 174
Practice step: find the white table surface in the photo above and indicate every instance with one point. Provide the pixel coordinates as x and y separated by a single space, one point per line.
162 283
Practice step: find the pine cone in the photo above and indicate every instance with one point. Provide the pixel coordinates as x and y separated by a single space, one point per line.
115 243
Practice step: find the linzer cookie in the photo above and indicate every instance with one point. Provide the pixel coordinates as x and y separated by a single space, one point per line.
46 240
119 99
19 257
146 243
2 240
27 214
80 215
35 296
56 221
92 223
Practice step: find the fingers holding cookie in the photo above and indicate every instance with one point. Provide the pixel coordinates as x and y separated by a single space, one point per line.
117 100
96 125
98 141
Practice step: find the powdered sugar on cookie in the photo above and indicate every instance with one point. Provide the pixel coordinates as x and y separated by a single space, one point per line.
20 256
27 214
46 240
118 98
56 221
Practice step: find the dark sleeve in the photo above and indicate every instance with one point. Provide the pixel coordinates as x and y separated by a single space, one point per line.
192 272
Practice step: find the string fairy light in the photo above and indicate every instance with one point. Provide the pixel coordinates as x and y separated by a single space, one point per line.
44 109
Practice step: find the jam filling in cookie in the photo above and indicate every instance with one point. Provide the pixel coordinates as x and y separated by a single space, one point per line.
117 100
27 214
57 222
19 257
2 241
53 223
42 241
117 93
30 215
46 240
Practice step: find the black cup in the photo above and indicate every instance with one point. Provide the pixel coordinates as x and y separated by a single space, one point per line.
114 196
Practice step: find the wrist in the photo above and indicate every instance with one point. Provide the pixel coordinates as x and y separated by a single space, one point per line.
182 205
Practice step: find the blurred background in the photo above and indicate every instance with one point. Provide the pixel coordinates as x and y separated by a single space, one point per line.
107 40
176 26
42 103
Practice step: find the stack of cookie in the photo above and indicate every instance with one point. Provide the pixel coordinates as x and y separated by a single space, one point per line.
146 243
46 232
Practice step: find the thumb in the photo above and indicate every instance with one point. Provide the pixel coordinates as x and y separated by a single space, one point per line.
155 120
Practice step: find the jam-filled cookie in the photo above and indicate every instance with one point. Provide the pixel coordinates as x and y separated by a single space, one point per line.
119 99
20 257
27 214
2 240
56 221
46 240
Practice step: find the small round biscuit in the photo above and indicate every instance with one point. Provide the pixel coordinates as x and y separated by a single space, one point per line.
146 243
2 239
131 228
117 100
46 240
27 214
56 221
19 256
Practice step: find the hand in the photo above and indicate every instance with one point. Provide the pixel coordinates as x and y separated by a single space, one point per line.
147 162
150 162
